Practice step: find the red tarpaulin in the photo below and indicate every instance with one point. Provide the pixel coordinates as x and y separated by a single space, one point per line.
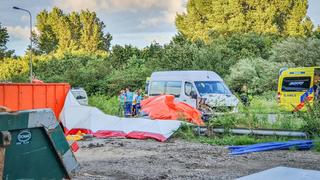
164 107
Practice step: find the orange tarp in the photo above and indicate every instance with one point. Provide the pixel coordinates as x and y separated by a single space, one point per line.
164 107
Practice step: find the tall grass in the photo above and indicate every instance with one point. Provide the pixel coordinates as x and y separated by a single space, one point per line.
106 104
256 121
187 132
262 104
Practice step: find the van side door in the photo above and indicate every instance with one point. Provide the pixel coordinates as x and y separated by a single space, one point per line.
188 95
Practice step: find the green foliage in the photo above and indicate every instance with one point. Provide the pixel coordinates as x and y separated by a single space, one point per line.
70 32
228 122
121 54
107 105
258 75
14 70
299 52
316 144
185 132
217 55
287 121
229 140
286 18
316 33
4 38
263 103
80 70
311 119
132 75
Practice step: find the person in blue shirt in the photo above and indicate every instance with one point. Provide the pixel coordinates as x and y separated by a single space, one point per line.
138 99
128 102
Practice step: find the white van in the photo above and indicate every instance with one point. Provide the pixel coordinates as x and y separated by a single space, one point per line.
204 90
81 95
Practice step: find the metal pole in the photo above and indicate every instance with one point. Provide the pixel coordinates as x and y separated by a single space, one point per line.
17 8
30 47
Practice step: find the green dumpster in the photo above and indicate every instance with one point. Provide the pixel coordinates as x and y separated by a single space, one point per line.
38 148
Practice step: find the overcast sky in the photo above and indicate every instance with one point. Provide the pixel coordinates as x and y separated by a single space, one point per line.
136 22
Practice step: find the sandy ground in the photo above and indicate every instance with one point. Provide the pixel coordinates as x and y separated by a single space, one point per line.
178 159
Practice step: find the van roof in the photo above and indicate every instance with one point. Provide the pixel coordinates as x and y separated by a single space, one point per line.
302 70
185 76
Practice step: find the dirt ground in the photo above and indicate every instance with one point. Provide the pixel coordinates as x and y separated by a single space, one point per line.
178 159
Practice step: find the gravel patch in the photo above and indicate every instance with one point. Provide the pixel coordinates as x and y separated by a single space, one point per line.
178 159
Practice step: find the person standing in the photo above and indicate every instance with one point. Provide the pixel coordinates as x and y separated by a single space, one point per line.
138 100
128 102
134 103
121 99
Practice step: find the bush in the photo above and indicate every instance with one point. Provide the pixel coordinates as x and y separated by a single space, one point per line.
257 74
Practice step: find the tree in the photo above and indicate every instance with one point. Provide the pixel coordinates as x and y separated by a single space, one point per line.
4 38
257 74
120 55
286 18
14 70
297 52
69 32
316 33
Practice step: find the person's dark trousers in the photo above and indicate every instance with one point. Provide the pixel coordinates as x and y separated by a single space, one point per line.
128 106
137 108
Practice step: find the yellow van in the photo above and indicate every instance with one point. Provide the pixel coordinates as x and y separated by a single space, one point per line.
296 85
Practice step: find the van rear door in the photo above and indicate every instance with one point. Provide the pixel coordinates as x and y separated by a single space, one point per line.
292 89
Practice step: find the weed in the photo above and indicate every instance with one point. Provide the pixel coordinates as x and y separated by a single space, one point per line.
227 121
185 132
311 119
316 145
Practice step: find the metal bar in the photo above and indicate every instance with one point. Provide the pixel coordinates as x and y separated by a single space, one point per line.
261 132
5 139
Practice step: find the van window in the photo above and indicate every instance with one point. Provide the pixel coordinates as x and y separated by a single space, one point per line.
165 87
188 88
173 88
294 84
79 94
157 88
211 87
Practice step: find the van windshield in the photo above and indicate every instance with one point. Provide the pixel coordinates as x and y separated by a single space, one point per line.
79 94
211 87
296 84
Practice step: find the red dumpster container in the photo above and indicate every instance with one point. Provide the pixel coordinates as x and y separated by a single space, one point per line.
24 96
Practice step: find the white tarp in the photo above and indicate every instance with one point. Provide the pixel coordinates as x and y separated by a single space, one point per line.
76 116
